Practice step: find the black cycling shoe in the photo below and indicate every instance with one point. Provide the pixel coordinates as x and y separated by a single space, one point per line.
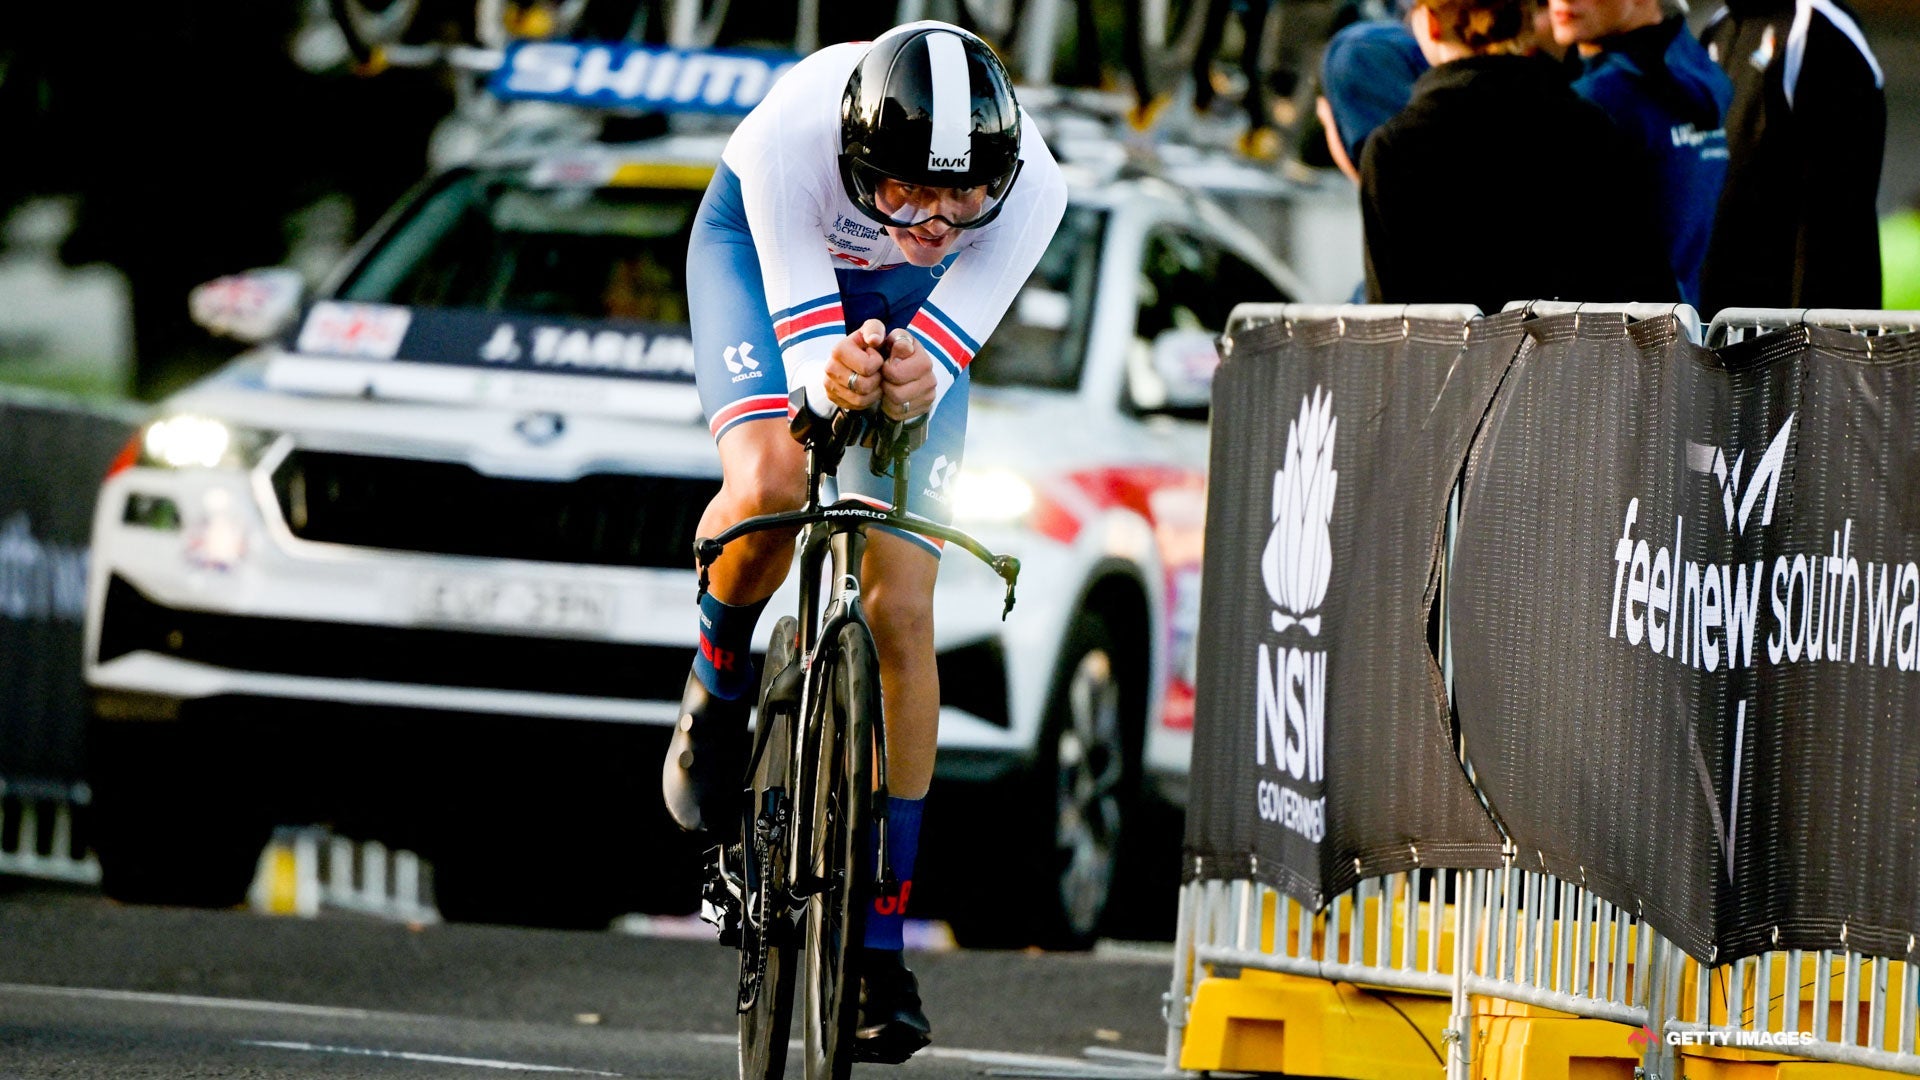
892 1024
702 777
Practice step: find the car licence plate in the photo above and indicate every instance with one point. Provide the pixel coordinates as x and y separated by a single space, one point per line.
515 603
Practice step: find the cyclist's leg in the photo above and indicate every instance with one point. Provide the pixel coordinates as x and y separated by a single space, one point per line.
898 578
743 392
898 581
763 471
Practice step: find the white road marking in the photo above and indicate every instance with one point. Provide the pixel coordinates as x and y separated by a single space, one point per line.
437 1059
983 1058
1134 952
240 1004
1003 1059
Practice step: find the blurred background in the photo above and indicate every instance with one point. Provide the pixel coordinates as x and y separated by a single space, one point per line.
154 147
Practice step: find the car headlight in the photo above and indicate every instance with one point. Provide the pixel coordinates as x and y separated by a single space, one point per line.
190 442
991 495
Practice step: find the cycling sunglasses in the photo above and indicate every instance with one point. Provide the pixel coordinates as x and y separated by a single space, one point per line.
959 212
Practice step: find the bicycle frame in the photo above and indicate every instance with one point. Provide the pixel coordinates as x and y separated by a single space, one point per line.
837 532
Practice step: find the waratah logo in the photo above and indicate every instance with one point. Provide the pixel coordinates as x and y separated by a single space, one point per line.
1299 556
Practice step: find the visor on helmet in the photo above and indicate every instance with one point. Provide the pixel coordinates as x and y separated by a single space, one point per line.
904 204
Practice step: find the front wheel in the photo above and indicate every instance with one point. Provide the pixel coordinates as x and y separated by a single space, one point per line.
836 915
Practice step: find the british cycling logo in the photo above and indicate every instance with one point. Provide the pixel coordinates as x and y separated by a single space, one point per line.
739 360
1290 718
845 224
1705 615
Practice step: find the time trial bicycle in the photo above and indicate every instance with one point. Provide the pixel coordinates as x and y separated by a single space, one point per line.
792 889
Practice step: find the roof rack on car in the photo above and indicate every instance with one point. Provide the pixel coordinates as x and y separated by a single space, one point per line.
1095 131
519 95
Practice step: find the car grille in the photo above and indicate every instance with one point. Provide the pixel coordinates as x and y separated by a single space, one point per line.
397 654
446 508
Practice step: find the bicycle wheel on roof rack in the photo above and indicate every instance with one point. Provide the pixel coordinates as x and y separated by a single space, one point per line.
996 20
689 24
498 22
372 24
836 915
1162 37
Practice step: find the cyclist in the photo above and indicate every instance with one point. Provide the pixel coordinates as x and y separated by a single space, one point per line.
869 224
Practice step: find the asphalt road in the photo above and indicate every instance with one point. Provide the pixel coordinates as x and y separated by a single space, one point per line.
91 989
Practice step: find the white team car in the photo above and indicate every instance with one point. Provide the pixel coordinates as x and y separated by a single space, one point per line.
418 565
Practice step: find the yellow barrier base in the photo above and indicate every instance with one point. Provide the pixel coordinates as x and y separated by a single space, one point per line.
1524 1042
1716 1063
1267 1022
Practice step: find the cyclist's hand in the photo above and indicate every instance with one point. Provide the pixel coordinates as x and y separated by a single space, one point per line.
853 371
908 378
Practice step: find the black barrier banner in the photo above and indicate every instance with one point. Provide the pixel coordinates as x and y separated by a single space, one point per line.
1685 618
52 459
1322 746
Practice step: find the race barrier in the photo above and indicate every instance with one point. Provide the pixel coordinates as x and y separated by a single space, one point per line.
38 839
1663 603
305 869
53 452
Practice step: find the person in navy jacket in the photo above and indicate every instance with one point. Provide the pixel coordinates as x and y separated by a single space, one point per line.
1806 135
1655 80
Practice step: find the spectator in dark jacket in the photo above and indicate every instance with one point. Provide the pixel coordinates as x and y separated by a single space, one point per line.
1451 187
1806 132
1657 83
1366 76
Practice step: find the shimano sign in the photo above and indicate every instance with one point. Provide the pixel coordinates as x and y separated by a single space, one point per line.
610 75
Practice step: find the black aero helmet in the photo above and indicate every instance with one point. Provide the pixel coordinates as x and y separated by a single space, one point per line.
930 104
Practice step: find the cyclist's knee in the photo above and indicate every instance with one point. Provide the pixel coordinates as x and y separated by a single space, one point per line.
900 612
763 472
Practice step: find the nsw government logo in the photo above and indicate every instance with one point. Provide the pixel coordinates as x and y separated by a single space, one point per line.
1290 720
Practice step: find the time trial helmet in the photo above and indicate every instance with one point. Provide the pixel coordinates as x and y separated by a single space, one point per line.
930 106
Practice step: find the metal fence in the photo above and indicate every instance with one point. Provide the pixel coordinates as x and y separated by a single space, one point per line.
37 838
1843 1007
1531 938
